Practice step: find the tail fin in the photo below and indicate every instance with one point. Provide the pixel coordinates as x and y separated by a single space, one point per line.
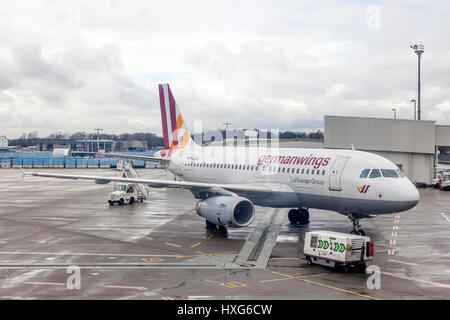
175 133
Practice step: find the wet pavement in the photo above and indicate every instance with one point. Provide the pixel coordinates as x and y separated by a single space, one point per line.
160 249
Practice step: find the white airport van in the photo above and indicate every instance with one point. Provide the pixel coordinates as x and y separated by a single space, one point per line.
335 249
125 193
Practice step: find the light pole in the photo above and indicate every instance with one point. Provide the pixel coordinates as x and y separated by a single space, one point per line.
414 100
98 138
227 125
418 49
395 113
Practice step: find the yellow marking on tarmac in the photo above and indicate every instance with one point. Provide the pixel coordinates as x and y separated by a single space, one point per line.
325 285
173 245
234 284
211 236
148 238
152 260
227 252
282 274
202 254
205 254
242 264
297 278
197 244
339 289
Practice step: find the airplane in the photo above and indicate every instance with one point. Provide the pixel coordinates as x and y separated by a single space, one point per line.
230 181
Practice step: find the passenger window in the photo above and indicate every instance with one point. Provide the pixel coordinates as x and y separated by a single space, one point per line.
288 169
303 171
283 170
323 172
298 170
307 171
318 172
375 174
312 171
364 173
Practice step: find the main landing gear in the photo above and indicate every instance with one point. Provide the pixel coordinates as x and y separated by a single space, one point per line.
355 217
299 216
214 227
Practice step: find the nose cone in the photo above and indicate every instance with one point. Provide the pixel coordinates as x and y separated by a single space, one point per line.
410 196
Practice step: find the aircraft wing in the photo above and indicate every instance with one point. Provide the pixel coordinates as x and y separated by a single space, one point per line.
195 187
132 157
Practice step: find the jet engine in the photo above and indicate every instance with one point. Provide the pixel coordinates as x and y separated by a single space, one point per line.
225 211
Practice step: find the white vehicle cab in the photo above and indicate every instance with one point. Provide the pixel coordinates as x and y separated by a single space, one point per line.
444 181
124 193
437 181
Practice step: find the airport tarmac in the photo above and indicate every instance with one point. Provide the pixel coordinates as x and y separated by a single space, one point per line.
160 249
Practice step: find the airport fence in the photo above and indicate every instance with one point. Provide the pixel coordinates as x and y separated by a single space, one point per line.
46 160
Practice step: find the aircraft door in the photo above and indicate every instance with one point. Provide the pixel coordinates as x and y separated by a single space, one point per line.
336 173
260 171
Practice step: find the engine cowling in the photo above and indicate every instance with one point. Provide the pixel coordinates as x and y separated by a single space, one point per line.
225 211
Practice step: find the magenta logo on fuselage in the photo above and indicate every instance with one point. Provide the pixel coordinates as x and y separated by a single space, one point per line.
310 160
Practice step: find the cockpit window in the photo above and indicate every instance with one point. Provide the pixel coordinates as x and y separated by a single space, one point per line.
400 173
364 173
375 174
389 173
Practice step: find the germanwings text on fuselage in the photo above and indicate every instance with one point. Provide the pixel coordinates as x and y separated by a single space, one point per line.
316 162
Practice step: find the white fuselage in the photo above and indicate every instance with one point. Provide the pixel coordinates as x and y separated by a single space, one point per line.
312 178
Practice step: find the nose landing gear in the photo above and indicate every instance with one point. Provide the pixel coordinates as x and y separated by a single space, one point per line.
299 216
355 217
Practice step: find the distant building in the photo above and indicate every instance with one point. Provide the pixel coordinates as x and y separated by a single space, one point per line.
3 142
88 148
133 145
81 148
4 145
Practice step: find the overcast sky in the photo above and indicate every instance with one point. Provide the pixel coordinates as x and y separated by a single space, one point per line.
78 65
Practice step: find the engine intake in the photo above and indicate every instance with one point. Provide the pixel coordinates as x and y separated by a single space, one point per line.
225 211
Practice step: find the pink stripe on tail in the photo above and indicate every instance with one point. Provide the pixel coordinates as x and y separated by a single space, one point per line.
163 116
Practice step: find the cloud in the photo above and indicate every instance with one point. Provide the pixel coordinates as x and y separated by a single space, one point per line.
80 65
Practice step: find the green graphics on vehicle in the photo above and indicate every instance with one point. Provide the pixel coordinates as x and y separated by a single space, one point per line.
324 244
339 247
